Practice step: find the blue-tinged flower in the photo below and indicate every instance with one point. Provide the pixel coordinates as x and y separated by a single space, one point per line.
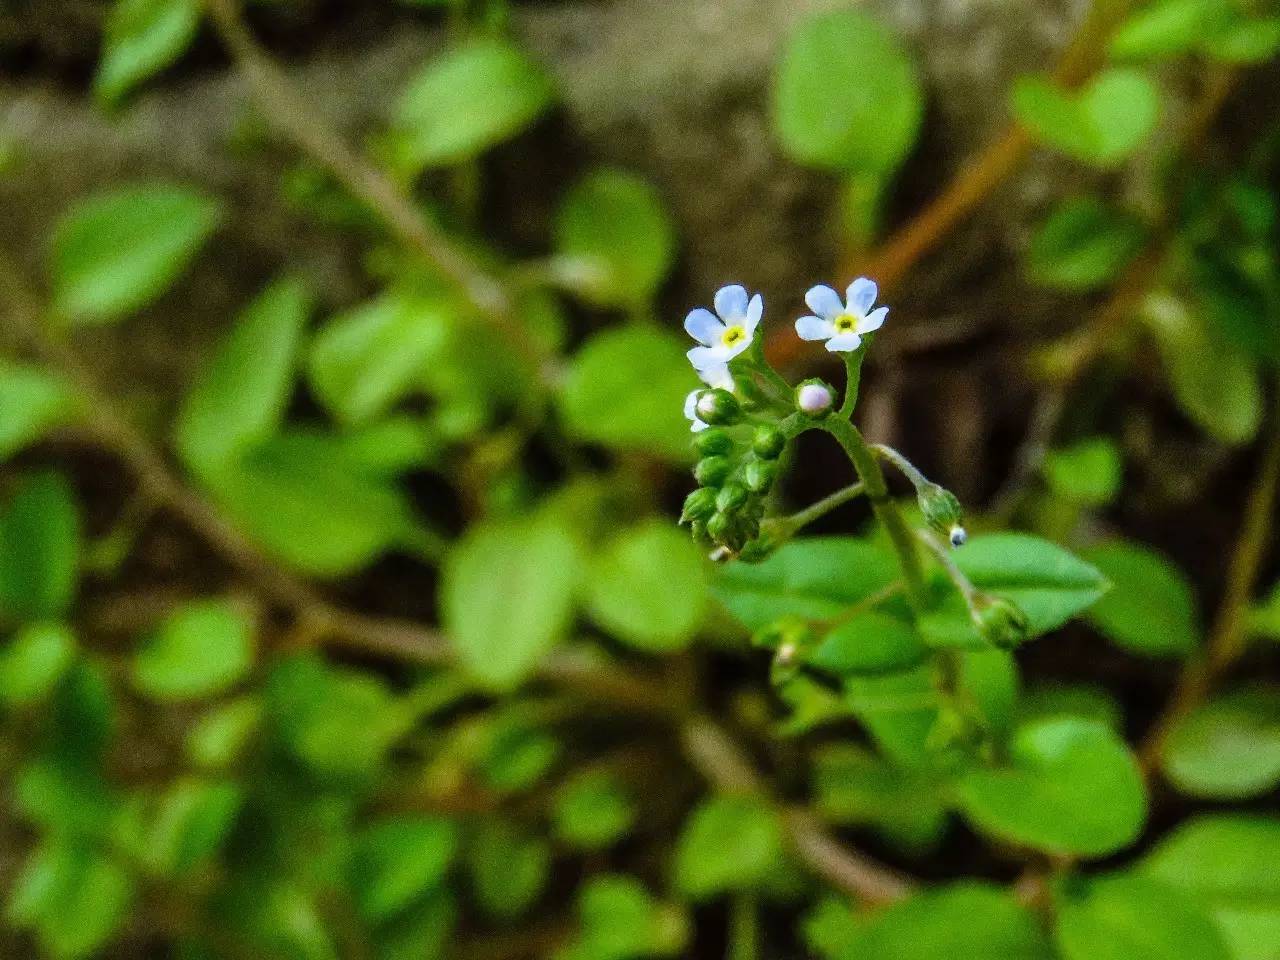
725 336
842 325
715 376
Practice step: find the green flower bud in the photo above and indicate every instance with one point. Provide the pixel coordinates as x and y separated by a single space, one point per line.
712 471
712 443
719 527
768 442
718 408
699 505
732 497
942 511
1000 622
699 529
759 475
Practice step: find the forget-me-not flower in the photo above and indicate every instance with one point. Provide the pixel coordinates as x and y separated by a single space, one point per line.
715 376
725 336
842 325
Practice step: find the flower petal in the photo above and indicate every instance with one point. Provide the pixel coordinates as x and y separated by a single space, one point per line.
844 343
873 321
703 326
703 357
815 328
731 303
755 310
728 353
862 295
717 375
690 404
698 426
825 302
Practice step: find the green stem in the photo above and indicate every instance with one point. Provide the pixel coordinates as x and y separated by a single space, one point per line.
886 511
816 511
853 380
908 468
954 573
744 933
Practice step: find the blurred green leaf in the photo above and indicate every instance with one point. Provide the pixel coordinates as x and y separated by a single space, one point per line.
1264 618
728 843
202 648
831 926
240 398
39 549
1102 124
397 860
32 401
972 921
853 785
118 251
592 811
1167 28
467 100
815 578
847 95
142 37
1047 700
1226 862
219 736
869 642
1071 786
425 930
1150 609
621 921
1228 748
614 239
1244 41
365 360
1129 917
648 587
506 597
1082 245
33 662
518 754
185 826
508 868
1088 472
625 389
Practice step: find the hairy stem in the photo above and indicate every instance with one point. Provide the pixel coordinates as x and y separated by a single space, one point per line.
816 511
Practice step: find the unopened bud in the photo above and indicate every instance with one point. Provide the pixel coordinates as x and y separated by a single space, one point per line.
759 475
712 471
719 527
699 505
732 497
768 442
814 398
718 408
712 442
942 511
1000 622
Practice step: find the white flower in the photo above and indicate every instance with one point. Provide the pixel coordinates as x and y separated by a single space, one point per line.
725 336
716 375
842 325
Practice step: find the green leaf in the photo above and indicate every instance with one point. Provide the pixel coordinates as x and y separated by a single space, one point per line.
1082 245
75 899
397 860
220 736
854 786
119 251
426 930
621 921
1047 583
626 387
1102 124
1071 787
1264 618
592 811
1166 28
365 360
202 648
614 239
1226 862
1088 472
467 100
1228 748
1247 41
816 579
972 921
506 597
33 663
728 843
648 586
518 753
186 825
1149 610
142 37
508 868
39 550
869 642
847 95
32 402
1129 917
1086 702
240 398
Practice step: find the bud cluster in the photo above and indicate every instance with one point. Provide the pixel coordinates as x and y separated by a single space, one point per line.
733 479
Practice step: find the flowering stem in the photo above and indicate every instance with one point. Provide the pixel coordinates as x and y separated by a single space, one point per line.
815 511
886 511
954 573
853 367
908 468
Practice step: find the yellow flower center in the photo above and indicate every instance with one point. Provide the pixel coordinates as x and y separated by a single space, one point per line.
846 323
733 335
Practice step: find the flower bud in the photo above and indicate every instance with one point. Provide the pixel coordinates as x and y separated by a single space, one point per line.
732 497
1000 622
942 511
713 442
814 398
712 471
719 527
718 408
768 442
699 505
759 475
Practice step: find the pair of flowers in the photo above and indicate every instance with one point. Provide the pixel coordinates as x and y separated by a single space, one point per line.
730 330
